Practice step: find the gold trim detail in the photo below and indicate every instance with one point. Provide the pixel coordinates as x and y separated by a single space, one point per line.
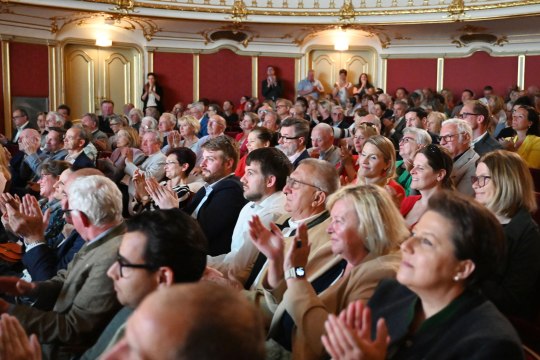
235 28
8 127
53 96
254 76
440 74
195 77
521 72
151 60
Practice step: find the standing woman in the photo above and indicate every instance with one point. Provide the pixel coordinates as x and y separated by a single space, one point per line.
432 166
342 88
505 186
152 94
362 86
526 143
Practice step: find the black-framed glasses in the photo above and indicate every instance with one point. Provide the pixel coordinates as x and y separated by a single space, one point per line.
481 180
288 137
123 263
465 114
447 138
293 183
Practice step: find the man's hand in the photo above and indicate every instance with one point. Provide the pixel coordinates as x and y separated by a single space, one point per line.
30 146
14 343
14 286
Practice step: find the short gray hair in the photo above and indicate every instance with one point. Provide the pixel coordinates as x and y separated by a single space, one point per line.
325 176
157 135
57 118
152 121
170 118
98 198
421 136
462 127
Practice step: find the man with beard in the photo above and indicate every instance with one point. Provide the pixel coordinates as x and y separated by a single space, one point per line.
266 175
217 204
293 137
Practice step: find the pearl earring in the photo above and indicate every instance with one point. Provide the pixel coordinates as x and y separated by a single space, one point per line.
456 278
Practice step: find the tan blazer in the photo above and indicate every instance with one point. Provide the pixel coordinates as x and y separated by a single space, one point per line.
309 310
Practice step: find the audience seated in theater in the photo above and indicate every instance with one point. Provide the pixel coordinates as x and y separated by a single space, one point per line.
525 122
266 174
430 173
216 205
55 119
434 122
42 258
70 310
216 128
283 107
377 166
65 111
293 137
188 128
369 119
188 322
349 162
394 129
114 166
271 121
259 137
322 140
152 112
499 117
97 137
75 141
338 118
324 109
434 310
365 251
53 150
248 121
147 123
504 185
230 116
477 115
456 137
41 126
22 173
5 174
466 95
107 109
151 257
401 94
198 112
151 195
413 140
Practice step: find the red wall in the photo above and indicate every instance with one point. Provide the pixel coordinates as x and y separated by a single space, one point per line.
175 74
532 70
478 70
224 76
29 70
411 74
2 127
284 70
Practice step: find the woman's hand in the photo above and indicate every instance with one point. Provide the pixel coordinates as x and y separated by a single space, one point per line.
139 181
349 336
297 255
163 196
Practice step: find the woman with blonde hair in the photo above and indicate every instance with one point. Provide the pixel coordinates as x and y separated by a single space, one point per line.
365 250
377 163
434 122
113 166
349 162
504 185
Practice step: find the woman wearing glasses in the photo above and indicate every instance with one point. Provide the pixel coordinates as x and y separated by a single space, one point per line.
434 310
430 173
525 122
365 250
505 186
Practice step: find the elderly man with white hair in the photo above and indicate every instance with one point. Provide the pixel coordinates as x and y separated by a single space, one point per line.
456 136
413 140
322 139
71 309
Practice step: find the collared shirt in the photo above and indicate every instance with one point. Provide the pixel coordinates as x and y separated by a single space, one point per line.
293 158
70 158
478 138
20 130
294 224
208 188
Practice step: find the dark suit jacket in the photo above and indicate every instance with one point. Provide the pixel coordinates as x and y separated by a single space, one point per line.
398 133
21 173
159 91
30 125
83 161
219 213
486 144
104 125
43 262
302 156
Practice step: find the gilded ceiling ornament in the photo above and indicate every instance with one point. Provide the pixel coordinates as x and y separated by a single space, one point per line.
346 13
239 11
234 28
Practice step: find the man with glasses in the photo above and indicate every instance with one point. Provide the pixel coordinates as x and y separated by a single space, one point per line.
21 122
476 114
293 136
456 136
151 256
21 172
283 107
72 308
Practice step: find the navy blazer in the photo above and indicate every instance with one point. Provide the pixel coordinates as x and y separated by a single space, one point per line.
219 213
21 173
43 263
486 144
303 155
82 161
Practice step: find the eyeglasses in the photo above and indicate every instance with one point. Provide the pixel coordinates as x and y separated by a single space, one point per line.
406 140
447 138
122 263
288 137
294 184
465 114
481 180
18 117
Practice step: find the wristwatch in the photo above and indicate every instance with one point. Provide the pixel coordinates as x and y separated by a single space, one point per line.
295 272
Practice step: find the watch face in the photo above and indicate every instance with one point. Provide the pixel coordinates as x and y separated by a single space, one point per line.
300 271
